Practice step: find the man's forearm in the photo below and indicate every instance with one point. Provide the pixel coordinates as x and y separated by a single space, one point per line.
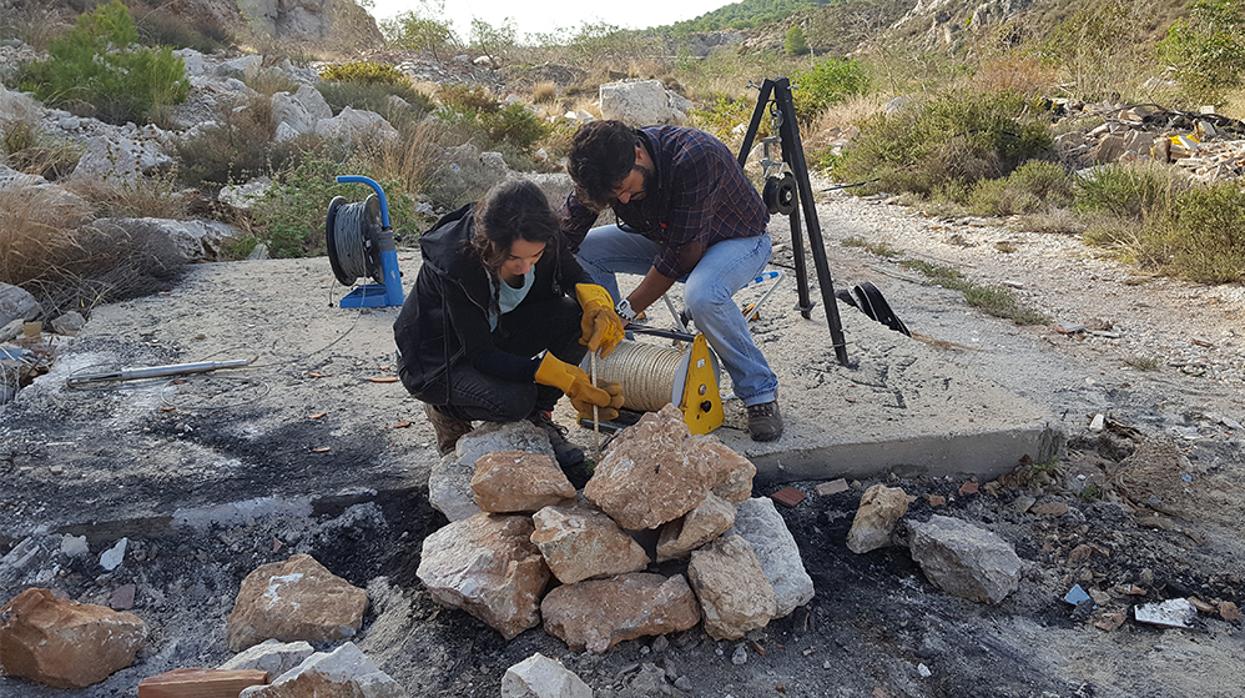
650 289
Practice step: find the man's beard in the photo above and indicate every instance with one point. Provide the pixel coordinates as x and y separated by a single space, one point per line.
650 180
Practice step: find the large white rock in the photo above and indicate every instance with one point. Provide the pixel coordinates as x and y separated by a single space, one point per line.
579 542
196 239
735 595
300 111
16 303
119 158
343 673
449 480
241 68
356 125
759 523
541 677
880 509
18 106
642 103
272 656
242 197
69 206
965 560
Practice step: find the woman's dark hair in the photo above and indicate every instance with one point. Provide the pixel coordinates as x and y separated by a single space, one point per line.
513 209
602 155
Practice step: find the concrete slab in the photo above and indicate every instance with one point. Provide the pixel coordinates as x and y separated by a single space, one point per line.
254 442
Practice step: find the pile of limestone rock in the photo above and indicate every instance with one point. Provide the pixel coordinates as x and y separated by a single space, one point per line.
664 535
1208 146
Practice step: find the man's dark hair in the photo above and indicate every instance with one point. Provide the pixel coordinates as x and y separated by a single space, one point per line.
602 155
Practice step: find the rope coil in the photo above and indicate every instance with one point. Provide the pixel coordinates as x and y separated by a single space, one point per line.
646 373
350 227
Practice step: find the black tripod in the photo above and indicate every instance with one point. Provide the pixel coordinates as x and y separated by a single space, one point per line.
790 192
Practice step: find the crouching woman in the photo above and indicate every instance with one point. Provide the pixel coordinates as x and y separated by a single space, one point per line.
499 319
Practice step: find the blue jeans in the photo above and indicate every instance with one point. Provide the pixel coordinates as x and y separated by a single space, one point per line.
725 268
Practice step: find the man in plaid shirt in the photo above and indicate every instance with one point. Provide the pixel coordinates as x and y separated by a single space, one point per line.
686 213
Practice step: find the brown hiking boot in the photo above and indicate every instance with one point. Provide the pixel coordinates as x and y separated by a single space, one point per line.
449 429
765 421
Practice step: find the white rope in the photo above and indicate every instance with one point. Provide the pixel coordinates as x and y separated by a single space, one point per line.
645 372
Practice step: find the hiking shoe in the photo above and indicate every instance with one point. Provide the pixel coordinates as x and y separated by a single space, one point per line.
765 421
568 454
449 429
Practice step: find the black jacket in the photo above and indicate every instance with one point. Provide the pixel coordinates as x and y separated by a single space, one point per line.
444 320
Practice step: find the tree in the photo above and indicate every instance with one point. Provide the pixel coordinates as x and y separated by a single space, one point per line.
795 43
494 40
421 29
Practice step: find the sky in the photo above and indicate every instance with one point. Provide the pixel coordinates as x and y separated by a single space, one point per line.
539 16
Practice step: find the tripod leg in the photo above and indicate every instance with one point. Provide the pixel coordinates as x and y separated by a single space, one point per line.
801 266
793 153
755 124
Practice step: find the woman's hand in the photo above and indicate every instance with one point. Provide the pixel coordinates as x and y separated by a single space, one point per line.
601 328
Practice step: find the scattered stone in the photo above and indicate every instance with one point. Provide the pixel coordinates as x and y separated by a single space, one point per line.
788 497
936 500
880 509
343 673
740 656
74 546
1076 596
1229 612
1052 508
16 303
355 126
487 566
449 488
194 240
200 683
970 487
833 487
646 477
242 197
122 598
61 643
598 614
711 455
642 102
272 656
1022 504
296 599
1109 621
1098 423
1081 553
1173 613
578 542
699 526
965 560
516 481
111 558
660 644
734 593
759 523
69 324
541 677
299 112
683 683
1202 606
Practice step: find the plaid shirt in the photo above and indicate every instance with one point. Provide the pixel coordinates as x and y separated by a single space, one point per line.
701 197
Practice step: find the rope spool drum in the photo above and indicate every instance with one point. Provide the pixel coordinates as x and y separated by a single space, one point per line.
350 230
653 377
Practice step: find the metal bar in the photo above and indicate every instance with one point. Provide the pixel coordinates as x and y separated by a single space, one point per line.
596 414
767 87
793 153
129 374
657 332
777 276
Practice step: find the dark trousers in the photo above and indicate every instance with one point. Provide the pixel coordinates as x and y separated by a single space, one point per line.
527 330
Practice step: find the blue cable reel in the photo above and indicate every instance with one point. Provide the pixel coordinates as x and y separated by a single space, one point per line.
361 244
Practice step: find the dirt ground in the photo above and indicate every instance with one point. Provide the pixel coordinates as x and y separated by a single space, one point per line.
1155 501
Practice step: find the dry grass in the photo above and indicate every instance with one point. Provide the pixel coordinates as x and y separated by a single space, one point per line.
1014 72
544 92
48 248
148 197
1234 104
411 160
270 81
27 149
37 26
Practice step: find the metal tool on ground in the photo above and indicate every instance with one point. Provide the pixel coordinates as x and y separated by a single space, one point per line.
787 191
81 380
361 244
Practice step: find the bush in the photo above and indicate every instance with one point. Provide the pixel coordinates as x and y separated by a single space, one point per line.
794 43
1204 240
945 144
28 149
375 96
468 98
827 83
1208 49
476 115
290 216
239 147
366 71
1129 191
420 30
545 92
515 126
160 27
95 70
1033 187
722 114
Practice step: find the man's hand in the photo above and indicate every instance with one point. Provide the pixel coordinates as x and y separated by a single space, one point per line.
600 327
652 286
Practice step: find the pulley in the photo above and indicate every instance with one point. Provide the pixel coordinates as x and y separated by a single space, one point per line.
779 194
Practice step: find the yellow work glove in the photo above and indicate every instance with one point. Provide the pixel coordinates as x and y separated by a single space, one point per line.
571 380
605 414
600 326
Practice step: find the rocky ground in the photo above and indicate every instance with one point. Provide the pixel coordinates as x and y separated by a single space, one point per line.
1146 509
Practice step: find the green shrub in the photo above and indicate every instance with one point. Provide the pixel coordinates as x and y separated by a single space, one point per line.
420 30
467 98
516 126
1128 191
1208 49
238 148
945 144
722 114
794 43
95 69
1033 187
476 115
827 83
366 71
290 216
374 96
